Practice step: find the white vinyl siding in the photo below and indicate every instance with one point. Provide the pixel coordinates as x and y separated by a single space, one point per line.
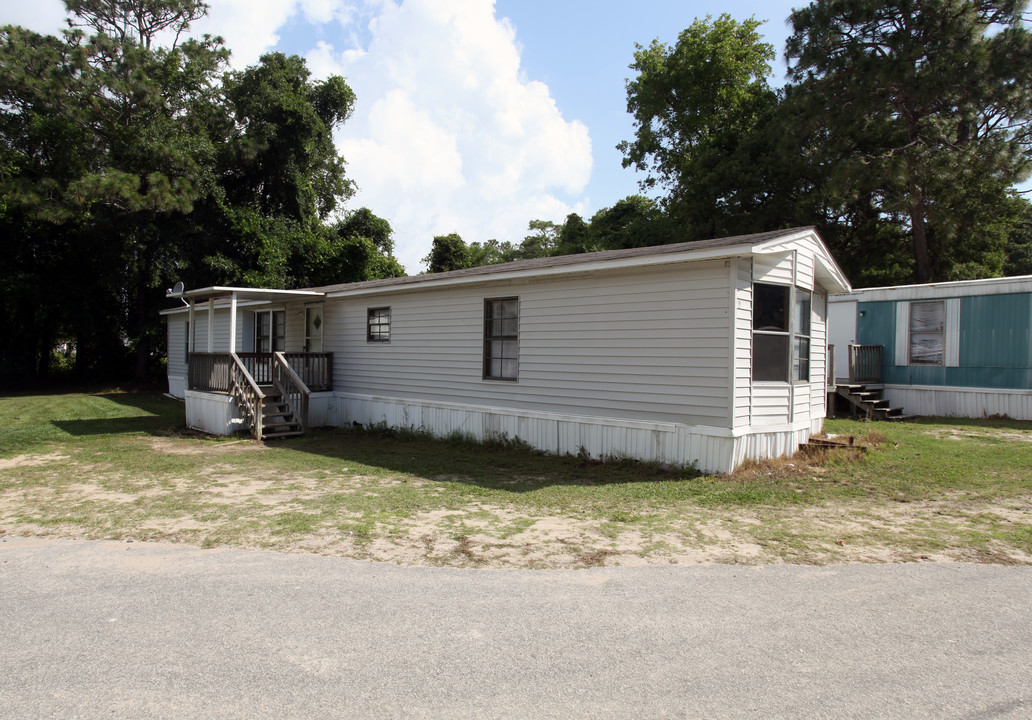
177 345
773 269
743 310
819 355
804 271
771 403
650 344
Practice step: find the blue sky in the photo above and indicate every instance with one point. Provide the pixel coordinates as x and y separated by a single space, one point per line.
473 116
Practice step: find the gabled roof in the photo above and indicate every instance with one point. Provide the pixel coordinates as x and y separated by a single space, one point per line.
828 272
755 243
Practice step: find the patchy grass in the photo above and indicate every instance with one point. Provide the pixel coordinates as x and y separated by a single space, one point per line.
121 465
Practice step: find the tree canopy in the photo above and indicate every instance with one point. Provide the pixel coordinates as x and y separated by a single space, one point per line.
130 159
900 135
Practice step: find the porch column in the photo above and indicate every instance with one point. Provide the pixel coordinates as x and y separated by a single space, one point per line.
232 322
193 329
211 321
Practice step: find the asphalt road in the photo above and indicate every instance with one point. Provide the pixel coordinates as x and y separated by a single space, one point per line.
136 630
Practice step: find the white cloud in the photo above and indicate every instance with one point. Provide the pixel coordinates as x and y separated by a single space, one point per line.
447 135
251 27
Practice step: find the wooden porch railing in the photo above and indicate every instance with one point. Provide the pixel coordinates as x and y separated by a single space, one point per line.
314 369
209 372
293 375
291 388
865 362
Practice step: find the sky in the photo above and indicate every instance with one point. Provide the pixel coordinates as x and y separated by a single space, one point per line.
472 116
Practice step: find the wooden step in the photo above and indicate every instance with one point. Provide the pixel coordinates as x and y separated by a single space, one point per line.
283 434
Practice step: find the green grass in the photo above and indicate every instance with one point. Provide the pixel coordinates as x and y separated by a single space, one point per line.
118 464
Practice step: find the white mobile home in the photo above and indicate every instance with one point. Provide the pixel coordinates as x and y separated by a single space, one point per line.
707 352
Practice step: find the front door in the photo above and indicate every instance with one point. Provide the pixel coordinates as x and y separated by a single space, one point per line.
313 328
842 334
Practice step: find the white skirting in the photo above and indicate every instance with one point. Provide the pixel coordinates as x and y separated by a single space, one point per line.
212 413
960 401
710 449
177 386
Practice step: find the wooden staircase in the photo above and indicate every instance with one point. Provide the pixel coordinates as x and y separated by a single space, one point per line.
867 401
278 420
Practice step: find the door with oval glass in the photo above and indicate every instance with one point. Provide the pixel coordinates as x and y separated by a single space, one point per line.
313 328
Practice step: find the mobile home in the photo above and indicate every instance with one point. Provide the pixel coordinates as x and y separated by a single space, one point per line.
708 352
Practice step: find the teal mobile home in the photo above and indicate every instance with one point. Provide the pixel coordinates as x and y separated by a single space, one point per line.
952 349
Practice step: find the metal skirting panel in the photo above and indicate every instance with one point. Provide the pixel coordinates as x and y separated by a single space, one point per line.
709 449
177 386
961 402
212 413
324 410
762 445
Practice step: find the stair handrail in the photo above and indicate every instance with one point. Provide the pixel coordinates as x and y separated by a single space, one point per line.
247 394
292 388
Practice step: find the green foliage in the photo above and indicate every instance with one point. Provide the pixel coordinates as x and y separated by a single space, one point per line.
925 108
126 165
899 137
711 83
281 158
448 252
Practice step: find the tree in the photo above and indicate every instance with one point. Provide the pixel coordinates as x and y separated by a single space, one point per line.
357 248
692 105
448 252
129 161
102 140
281 159
924 107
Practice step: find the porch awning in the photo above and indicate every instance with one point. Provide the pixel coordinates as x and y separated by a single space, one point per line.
242 293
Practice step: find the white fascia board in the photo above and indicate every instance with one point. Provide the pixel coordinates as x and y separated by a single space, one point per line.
216 291
578 269
935 291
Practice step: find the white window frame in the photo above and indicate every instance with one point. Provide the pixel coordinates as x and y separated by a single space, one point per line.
926 335
790 332
272 337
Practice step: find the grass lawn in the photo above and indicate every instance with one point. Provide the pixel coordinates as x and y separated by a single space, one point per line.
122 465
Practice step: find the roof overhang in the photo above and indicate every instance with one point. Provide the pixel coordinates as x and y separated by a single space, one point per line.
219 291
222 295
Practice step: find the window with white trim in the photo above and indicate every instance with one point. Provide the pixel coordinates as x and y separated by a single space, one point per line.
781 333
927 325
801 335
270 331
501 338
771 344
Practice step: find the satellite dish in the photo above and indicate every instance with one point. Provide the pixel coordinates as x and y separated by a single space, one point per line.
177 289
